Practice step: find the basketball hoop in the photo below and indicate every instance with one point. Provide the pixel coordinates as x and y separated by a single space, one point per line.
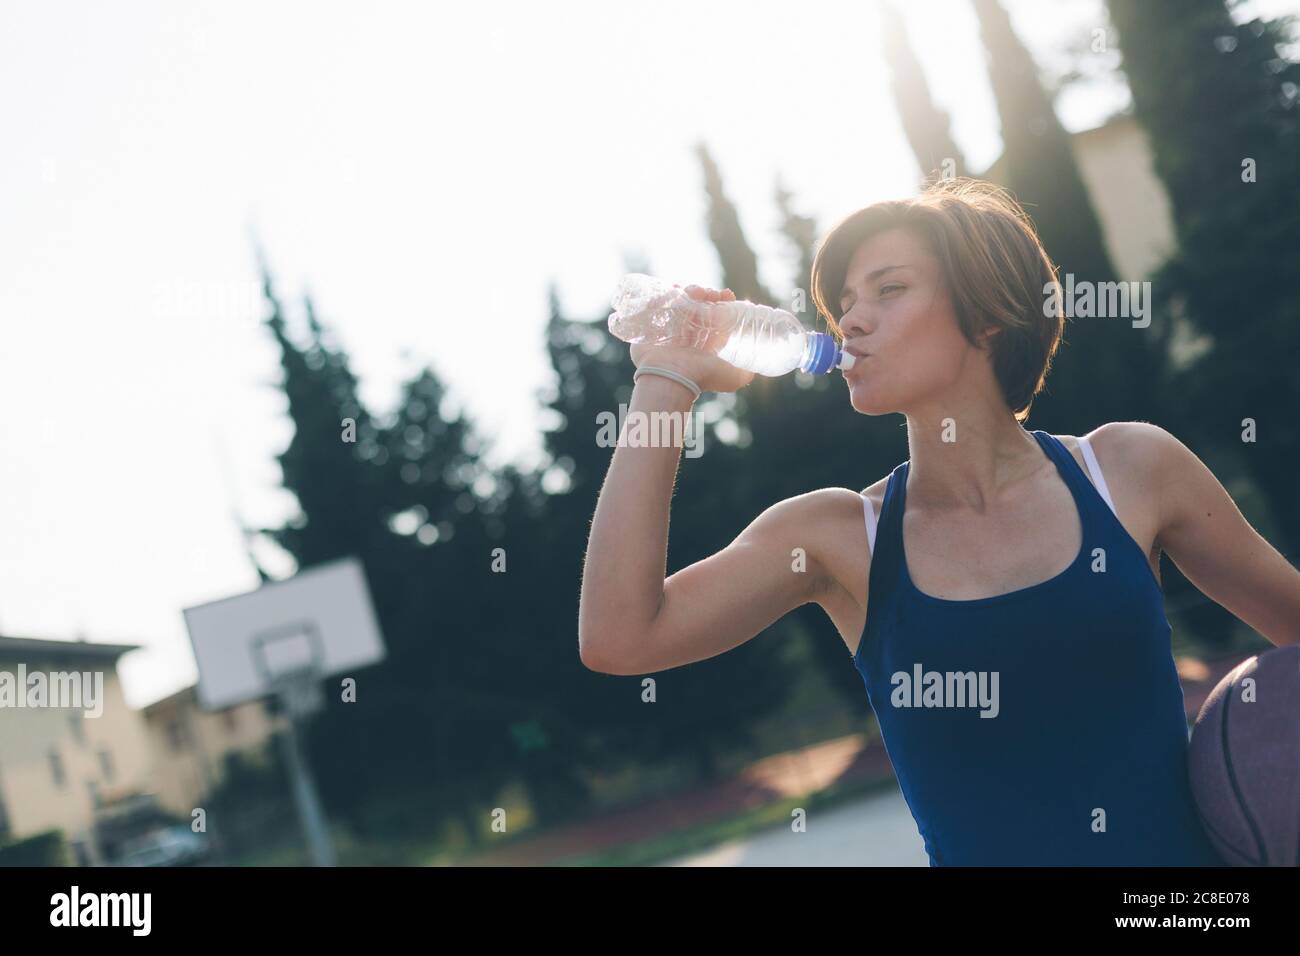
299 693
285 638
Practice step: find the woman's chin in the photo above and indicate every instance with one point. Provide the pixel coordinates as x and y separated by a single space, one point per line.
868 404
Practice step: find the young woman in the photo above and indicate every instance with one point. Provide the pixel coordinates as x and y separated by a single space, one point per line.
999 590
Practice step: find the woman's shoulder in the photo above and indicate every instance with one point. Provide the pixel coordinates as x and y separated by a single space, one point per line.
828 504
876 493
1132 448
835 503
837 526
835 518
1135 460
828 510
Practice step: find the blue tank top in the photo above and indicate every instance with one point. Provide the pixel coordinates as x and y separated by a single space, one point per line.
1081 759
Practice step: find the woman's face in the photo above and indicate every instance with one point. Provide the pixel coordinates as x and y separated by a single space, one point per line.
898 320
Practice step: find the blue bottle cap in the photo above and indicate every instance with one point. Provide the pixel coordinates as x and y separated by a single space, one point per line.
824 355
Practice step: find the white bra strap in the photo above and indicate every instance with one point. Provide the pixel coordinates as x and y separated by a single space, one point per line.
869 513
1097 478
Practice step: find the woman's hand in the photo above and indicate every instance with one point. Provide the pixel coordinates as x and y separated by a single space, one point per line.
700 364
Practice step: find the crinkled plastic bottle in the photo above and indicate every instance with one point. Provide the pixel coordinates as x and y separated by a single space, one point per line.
757 338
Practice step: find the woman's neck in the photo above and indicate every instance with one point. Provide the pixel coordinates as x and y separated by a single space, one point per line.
968 459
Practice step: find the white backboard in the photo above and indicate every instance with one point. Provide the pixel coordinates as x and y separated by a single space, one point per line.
321 619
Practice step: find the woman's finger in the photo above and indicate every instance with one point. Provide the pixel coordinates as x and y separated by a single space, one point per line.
705 293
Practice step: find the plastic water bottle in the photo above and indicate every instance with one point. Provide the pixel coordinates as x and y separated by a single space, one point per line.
757 338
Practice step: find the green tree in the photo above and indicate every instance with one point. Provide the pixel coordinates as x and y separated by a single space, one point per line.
927 127
1106 369
1218 100
394 494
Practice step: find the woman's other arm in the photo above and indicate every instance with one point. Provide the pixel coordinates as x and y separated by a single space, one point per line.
1207 537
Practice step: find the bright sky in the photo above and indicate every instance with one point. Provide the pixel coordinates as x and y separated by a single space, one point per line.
424 170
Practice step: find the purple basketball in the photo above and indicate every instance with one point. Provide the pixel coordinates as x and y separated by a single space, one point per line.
1244 761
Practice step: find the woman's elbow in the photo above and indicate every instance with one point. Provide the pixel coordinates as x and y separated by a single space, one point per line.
604 655
592 655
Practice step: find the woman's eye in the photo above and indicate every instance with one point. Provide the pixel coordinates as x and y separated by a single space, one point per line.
889 288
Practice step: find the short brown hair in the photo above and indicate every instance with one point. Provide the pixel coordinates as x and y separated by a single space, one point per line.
992 263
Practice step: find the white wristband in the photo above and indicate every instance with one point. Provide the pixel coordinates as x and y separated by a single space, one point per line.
666 373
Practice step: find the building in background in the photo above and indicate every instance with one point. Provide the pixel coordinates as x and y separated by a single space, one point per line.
101 780
190 745
59 766
1115 161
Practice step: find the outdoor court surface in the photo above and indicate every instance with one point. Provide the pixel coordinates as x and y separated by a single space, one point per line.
875 831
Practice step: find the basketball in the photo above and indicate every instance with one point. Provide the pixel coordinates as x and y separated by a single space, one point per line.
1244 761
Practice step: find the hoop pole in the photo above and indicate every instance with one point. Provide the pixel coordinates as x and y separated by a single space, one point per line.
305 796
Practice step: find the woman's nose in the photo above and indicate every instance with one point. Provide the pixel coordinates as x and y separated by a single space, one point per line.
853 321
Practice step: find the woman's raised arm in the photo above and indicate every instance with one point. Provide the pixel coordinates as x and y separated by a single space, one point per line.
633 621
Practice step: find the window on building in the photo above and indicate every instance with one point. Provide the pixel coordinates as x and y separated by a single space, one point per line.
177 739
232 721
56 768
106 765
78 724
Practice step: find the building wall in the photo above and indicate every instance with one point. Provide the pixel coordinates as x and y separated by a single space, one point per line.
173 750
100 757
190 745
1115 162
